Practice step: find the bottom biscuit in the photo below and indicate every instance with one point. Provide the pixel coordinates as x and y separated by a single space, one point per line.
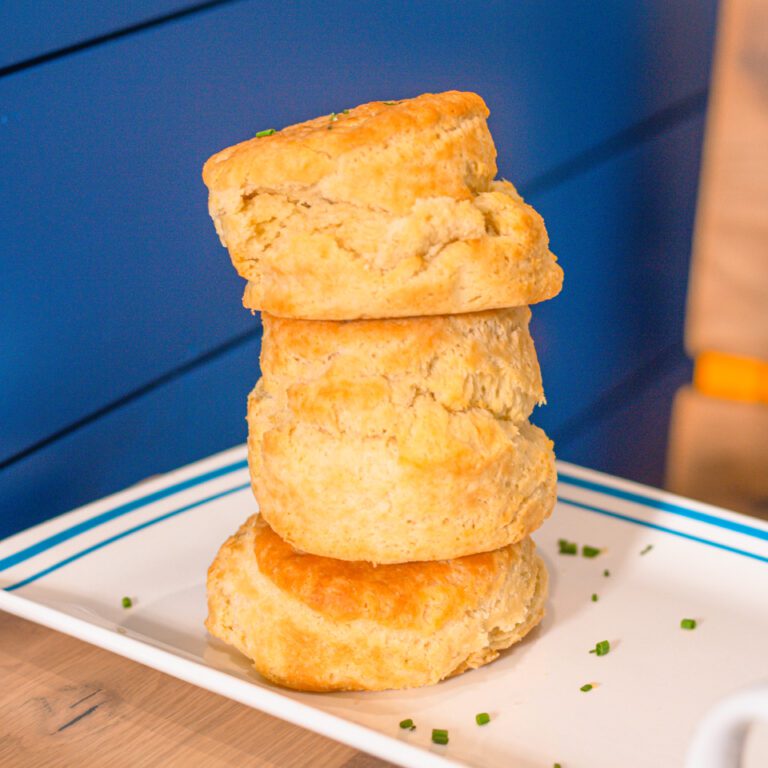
317 624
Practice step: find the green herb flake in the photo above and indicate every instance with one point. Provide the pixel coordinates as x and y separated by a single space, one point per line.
646 550
334 117
344 111
688 624
439 736
587 551
567 547
602 648
587 687
389 103
595 598
557 765
407 725
126 602
267 132
606 573
482 718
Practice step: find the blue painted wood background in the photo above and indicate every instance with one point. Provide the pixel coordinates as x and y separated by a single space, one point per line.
124 350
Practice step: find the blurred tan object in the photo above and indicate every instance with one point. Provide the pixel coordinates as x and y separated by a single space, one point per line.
719 431
718 452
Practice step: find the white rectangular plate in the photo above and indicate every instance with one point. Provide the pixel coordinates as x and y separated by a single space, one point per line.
155 541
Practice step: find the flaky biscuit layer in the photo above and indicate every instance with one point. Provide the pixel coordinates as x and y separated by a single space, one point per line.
313 623
382 155
425 484
393 212
397 440
360 370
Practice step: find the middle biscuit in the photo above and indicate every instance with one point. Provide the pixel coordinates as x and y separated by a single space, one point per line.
400 440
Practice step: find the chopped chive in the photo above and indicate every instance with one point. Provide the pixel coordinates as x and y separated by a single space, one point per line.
567 547
439 736
126 602
407 725
602 648
267 132
587 687
688 624
646 550
483 718
587 551
606 573
595 598
389 103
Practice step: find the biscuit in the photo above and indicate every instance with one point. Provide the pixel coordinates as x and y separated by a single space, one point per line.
483 360
383 155
390 213
415 483
404 439
317 624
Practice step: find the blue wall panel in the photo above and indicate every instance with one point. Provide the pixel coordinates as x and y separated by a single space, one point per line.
195 416
623 234
632 440
30 28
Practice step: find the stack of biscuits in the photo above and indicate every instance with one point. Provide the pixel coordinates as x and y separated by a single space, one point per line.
397 475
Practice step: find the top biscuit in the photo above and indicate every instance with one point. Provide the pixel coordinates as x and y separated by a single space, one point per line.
385 210
383 154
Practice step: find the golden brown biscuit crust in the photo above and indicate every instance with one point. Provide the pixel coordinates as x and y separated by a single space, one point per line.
483 360
390 213
317 624
395 595
374 154
420 483
397 268
398 440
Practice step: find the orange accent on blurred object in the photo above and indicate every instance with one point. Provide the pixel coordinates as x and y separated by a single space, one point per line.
731 377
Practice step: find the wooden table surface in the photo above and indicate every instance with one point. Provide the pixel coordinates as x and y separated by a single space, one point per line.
66 703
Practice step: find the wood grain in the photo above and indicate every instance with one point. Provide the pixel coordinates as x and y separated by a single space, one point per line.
65 703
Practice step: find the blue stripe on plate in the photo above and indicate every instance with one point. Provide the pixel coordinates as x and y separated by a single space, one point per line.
578 504
656 527
122 535
648 501
111 514
665 506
